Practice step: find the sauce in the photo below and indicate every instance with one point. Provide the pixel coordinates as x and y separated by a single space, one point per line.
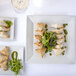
20 4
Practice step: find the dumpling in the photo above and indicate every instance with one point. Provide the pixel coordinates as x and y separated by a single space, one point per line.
41 51
60 41
40 32
3 28
4 66
4 35
58 51
59 46
3 23
4 56
59 36
5 51
39 45
40 26
38 37
59 31
57 26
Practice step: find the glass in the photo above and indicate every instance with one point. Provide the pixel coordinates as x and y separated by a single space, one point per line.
20 5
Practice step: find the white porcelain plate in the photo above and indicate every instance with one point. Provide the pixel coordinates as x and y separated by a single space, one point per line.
20 50
33 57
11 32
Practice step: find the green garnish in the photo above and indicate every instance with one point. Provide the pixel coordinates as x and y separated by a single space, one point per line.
65 32
46 27
9 23
65 38
15 64
46 51
65 47
49 40
65 25
50 54
63 52
62 48
14 55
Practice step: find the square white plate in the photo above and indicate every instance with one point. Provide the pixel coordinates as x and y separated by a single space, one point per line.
20 50
11 32
33 57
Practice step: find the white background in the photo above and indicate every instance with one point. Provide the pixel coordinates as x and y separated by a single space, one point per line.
39 7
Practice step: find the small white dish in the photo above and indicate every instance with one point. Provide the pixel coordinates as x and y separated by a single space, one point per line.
11 32
33 57
20 50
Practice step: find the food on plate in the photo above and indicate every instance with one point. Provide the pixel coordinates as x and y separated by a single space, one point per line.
4 56
39 45
41 51
51 41
41 26
57 26
6 23
4 66
4 35
15 63
58 51
60 41
5 62
5 28
59 36
5 51
59 46
38 37
40 32
58 31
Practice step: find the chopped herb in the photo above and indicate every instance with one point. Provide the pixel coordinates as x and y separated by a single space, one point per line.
63 52
62 47
50 54
65 47
65 38
65 32
65 25
46 26
46 51
49 40
9 23
15 64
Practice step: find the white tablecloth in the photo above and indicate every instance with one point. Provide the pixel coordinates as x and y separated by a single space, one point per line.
39 7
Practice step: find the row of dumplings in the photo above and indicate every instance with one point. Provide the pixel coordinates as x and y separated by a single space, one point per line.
40 31
61 46
5 28
59 30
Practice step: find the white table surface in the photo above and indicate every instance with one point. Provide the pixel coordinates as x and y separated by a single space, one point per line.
39 7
